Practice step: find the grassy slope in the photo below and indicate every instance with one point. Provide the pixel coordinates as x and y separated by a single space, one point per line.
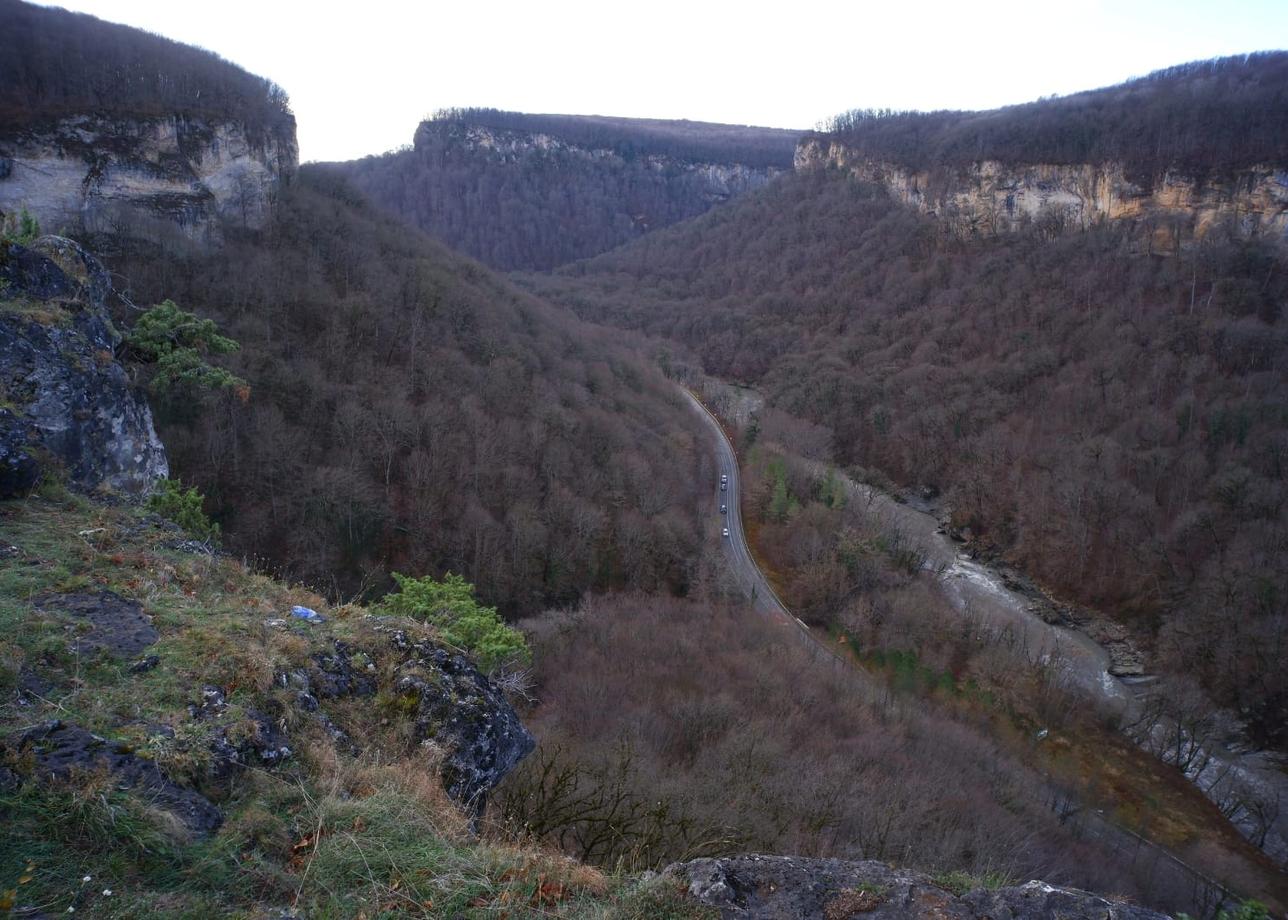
340 836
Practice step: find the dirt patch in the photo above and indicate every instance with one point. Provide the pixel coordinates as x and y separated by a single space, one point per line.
851 901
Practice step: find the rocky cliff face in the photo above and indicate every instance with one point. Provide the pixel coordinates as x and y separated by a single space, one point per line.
712 182
151 178
64 398
781 887
991 197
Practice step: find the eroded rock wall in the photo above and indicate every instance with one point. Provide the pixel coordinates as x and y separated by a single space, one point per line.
151 178
990 197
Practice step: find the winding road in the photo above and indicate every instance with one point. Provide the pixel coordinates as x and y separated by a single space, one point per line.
742 567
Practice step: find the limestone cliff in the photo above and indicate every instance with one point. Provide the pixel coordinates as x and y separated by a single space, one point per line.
712 182
989 196
150 178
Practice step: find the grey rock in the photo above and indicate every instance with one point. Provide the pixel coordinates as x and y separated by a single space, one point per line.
335 674
55 749
793 888
71 401
457 708
118 627
145 664
265 745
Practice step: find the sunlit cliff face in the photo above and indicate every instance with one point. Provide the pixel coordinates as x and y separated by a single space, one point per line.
992 197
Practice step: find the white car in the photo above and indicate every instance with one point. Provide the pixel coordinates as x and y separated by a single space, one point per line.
724 509
725 532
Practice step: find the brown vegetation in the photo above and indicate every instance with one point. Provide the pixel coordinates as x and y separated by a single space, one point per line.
1205 119
1111 421
411 411
746 744
517 205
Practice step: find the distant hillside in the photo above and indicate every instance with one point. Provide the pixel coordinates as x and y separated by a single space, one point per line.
1203 119
536 191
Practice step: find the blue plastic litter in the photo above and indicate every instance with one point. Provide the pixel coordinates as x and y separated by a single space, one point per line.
305 613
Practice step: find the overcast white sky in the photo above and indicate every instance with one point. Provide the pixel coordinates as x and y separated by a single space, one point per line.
362 75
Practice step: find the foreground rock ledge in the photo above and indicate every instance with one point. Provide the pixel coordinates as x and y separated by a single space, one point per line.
792 888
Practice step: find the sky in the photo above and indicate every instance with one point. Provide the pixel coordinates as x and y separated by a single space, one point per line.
362 75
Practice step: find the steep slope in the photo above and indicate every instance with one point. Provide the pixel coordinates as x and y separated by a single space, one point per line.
173 743
1109 421
535 191
411 411
182 737
108 130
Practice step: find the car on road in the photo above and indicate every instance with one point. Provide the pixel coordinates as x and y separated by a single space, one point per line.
724 487
725 532
724 509
724 477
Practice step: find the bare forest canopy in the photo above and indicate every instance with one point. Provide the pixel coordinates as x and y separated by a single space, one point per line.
1203 119
693 141
522 206
1116 424
55 64
411 411
766 749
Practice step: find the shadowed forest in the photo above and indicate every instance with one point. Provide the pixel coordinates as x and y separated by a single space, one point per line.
411 411
516 204
1111 421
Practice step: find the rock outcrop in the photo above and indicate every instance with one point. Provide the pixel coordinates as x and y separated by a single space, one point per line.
792 888
456 707
990 197
149 178
55 750
452 706
64 398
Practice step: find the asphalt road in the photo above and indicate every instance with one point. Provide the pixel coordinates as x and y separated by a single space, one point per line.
742 567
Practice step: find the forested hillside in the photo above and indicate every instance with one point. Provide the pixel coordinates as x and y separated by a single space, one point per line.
1205 119
535 191
1116 424
55 64
411 411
